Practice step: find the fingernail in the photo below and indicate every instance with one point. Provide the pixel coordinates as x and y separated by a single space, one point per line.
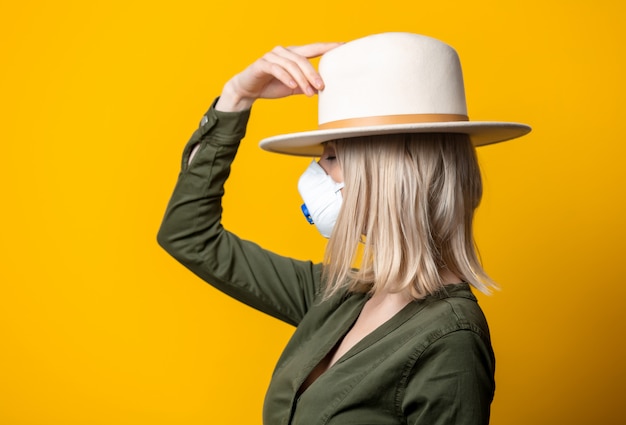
319 84
310 91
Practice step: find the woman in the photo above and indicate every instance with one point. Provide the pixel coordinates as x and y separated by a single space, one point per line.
401 338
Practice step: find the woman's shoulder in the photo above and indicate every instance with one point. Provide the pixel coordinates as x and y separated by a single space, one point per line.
452 309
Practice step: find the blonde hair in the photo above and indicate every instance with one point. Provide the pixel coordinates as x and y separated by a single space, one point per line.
409 199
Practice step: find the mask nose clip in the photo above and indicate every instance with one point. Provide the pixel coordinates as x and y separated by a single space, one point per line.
306 213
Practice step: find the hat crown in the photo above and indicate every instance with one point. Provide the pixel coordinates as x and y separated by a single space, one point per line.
391 83
391 74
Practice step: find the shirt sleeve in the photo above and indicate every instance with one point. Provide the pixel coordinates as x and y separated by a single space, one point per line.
451 382
192 232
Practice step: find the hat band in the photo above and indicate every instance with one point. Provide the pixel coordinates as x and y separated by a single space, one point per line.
391 119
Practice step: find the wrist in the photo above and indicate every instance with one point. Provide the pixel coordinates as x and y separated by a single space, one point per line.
231 101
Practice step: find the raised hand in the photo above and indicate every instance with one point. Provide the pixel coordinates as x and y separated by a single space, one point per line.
282 72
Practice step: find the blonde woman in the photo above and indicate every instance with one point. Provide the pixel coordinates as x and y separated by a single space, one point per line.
401 339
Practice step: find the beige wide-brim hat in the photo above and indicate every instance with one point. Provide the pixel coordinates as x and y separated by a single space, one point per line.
391 83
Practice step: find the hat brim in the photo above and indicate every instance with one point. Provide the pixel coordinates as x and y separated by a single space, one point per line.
309 143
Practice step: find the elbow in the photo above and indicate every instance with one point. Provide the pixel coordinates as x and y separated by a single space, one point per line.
172 245
164 240
183 245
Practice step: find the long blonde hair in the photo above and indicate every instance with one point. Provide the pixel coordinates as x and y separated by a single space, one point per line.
409 199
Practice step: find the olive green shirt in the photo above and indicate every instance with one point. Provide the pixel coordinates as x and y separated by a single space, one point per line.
432 363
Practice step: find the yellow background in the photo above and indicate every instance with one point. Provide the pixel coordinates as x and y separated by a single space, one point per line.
99 326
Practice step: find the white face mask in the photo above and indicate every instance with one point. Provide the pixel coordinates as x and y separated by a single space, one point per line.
322 198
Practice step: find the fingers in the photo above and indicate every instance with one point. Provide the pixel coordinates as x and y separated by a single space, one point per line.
292 67
293 70
282 72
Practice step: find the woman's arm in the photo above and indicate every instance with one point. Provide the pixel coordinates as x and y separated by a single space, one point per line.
191 230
